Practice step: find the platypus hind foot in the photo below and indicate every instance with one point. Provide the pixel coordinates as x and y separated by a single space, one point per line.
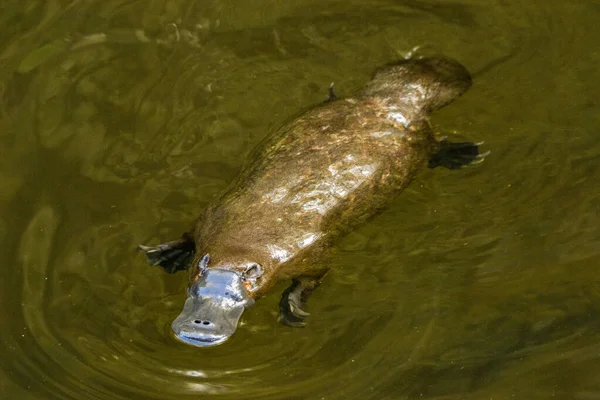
172 256
293 300
456 155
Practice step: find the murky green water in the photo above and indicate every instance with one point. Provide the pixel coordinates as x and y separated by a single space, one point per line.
120 121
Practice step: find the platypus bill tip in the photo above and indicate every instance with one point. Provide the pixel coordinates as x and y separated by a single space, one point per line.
213 308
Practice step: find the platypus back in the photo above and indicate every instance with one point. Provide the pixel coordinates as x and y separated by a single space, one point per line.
314 180
419 84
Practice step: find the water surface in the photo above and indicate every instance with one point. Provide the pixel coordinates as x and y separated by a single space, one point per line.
120 121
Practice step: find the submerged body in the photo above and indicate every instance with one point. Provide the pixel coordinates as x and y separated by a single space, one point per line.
320 177
313 181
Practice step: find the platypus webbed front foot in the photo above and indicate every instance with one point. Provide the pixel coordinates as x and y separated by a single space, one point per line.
172 256
455 155
293 300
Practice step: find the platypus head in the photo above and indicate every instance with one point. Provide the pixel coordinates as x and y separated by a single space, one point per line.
419 84
215 303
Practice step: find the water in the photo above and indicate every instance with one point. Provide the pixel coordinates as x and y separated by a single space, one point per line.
120 121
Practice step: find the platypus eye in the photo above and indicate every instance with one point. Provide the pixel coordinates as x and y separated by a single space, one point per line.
253 271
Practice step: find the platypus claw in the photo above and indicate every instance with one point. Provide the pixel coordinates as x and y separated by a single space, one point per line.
295 308
332 96
290 312
290 320
172 256
293 300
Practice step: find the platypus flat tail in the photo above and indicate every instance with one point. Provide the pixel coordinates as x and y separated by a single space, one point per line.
426 84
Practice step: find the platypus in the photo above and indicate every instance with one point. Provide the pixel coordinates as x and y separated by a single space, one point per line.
308 184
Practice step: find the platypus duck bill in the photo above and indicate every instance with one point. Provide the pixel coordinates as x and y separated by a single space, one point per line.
215 304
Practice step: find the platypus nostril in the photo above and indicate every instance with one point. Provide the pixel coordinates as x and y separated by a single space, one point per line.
198 322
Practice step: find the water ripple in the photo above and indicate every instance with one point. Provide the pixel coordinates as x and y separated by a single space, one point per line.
120 121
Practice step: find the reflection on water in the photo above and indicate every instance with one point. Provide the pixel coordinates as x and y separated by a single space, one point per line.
121 121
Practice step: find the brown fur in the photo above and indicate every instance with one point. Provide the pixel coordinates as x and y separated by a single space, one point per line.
327 172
